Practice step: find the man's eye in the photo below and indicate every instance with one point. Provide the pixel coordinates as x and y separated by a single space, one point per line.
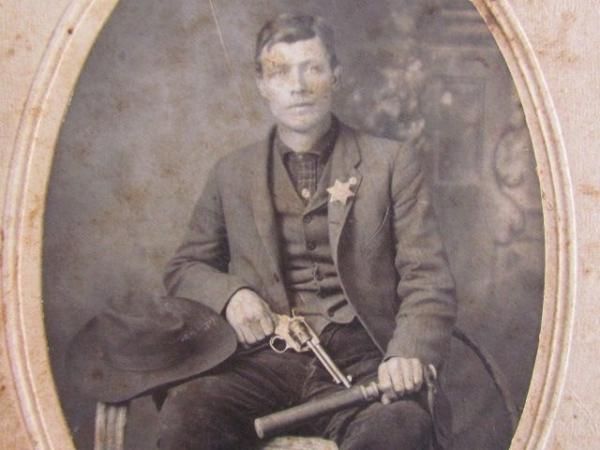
315 69
278 71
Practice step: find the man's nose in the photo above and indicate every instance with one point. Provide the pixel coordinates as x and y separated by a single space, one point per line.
298 82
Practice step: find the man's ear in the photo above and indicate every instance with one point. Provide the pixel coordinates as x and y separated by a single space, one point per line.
260 84
337 77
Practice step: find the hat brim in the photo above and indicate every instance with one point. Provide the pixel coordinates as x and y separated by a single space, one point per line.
213 342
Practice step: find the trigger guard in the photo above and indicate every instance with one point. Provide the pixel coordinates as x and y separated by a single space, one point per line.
275 339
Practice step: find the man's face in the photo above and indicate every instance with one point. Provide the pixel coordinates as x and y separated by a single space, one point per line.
298 82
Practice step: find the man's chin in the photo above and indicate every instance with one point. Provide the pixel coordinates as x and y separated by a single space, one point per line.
303 125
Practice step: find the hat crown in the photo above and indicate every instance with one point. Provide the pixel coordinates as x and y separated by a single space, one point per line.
144 342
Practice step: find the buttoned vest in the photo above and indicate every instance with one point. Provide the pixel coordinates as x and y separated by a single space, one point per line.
310 275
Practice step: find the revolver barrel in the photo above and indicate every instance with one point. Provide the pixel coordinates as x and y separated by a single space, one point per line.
329 365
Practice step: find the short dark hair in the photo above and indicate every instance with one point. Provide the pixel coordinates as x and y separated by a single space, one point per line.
291 28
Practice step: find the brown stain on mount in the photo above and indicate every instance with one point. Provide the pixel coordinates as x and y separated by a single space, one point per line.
35 211
589 271
489 19
590 190
557 44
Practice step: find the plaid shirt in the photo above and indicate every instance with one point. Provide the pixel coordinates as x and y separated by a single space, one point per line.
306 168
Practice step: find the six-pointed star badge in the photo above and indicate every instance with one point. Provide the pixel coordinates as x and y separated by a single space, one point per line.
341 191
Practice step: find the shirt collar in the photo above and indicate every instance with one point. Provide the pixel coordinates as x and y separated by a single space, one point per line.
322 148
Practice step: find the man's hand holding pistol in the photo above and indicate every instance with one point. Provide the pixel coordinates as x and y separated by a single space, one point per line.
253 321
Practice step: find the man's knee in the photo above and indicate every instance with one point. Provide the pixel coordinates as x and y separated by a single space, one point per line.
196 415
402 424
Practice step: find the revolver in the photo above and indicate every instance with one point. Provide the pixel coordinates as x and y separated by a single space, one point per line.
293 332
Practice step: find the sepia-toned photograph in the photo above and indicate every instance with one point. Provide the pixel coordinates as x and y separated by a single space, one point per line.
293 225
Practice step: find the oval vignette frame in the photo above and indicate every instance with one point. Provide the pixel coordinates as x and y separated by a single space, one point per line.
31 161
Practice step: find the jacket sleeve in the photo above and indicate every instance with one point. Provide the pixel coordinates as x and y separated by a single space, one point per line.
425 290
198 270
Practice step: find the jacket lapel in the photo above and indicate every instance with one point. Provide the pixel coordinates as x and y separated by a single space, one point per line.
262 205
345 161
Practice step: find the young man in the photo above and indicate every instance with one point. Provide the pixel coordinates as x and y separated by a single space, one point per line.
322 221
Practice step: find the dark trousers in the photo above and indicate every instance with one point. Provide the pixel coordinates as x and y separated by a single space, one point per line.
216 411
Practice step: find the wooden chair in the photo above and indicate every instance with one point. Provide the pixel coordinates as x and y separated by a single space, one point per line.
111 419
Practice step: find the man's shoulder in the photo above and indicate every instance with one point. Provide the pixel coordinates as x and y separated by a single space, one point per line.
381 148
242 158
378 143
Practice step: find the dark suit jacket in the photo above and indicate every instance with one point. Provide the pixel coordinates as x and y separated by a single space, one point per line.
384 241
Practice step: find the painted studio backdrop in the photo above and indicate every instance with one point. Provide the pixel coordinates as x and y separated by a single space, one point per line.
169 88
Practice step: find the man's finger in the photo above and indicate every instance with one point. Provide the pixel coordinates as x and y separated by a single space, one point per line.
385 384
406 373
248 335
267 326
418 374
397 377
240 337
256 329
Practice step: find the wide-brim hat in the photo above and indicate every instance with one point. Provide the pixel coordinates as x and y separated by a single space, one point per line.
120 355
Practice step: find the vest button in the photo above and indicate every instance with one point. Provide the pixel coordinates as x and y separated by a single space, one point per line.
305 193
311 245
307 218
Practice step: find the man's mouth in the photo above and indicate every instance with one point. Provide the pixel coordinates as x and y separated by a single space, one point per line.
303 105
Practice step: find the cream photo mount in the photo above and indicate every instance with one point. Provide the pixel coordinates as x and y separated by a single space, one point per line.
29 171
